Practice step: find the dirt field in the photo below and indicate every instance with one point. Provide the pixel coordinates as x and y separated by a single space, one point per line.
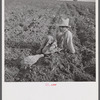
26 25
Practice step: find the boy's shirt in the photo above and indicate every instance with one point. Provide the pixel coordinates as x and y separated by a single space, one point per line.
64 41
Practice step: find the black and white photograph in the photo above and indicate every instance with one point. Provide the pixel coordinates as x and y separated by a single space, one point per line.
50 41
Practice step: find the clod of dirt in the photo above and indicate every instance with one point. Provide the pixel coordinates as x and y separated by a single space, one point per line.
79 76
90 70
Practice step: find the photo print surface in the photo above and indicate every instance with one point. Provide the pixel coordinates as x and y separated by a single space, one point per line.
49 41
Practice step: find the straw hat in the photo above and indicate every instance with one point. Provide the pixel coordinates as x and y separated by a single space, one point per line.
65 22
